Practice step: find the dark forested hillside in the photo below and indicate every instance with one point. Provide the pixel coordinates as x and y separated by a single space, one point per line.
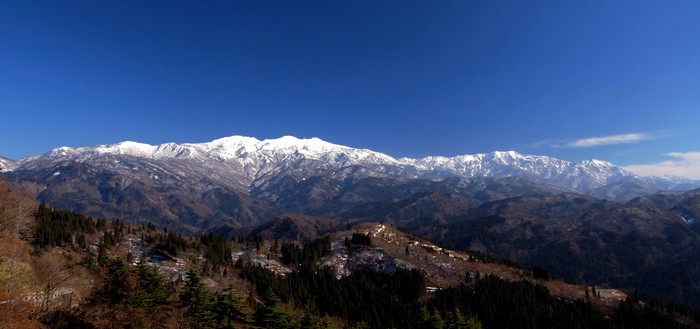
662 261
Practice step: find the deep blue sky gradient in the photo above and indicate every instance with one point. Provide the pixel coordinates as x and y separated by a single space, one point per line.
401 77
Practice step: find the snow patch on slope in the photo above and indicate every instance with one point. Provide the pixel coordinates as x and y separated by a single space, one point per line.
7 165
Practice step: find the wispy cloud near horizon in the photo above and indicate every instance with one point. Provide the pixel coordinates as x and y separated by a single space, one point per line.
608 140
684 165
596 141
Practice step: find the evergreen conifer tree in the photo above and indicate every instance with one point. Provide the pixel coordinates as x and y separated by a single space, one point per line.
116 286
473 323
455 320
271 314
196 297
310 321
431 321
229 309
154 290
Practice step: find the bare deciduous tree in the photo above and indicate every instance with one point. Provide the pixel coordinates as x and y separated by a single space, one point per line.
15 273
53 275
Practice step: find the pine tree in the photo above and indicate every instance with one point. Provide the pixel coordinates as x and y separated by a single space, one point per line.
473 323
455 320
271 314
310 321
154 290
116 286
228 309
101 253
196 297
436 321
431 321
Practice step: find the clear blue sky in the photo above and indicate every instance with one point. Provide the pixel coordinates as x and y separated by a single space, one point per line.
401 77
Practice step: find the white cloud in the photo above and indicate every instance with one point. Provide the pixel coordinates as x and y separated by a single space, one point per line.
608 140
684 164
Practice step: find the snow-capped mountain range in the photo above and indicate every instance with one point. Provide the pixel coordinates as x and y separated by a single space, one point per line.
242 181
516 206
250 161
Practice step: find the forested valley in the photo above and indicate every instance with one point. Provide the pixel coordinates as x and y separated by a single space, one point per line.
59 269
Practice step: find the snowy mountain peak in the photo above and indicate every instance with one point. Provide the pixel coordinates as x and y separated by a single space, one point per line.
507 157
63 151
233 141
287 142
597 163
509 154
228 147
126 148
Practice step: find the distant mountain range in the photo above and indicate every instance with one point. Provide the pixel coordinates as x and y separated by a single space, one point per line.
246 163
242 181
588 222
